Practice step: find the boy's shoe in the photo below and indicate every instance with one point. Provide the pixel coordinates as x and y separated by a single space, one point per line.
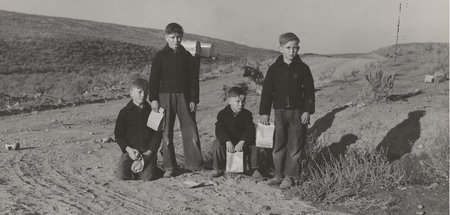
256 174
169 174
275 181
217 173
287 182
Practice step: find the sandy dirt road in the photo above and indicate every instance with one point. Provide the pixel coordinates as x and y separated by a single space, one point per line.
61 169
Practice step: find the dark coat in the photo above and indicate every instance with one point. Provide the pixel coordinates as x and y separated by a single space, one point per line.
288 87
131 129
173 72
235 128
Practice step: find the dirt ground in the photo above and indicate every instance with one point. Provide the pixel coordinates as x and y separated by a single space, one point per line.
61 169
64 168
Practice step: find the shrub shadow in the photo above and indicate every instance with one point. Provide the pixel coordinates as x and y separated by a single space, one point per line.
402 97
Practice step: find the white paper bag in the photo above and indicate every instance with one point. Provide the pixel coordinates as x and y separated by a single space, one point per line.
235 162
155 120
264 135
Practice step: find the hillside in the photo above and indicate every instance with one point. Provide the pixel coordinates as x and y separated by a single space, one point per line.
66 57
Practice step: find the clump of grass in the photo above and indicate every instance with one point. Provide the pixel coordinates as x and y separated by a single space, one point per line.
437 164
380 82
327 74
349 177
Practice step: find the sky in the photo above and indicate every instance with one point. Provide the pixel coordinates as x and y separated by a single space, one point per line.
324 26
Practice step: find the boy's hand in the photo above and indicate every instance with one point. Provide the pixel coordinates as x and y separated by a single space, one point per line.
155 106
230 147
148 153
264 120
305 118
193 106
239 146
133 153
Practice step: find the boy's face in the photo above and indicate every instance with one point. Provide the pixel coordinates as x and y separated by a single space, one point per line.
237 102
289 50
174 40
138 95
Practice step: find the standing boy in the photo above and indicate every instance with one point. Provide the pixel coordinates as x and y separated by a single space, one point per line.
174 86
135 139
235 131
289 88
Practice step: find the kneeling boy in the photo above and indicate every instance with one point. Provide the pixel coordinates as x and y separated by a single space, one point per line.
136 140
235 131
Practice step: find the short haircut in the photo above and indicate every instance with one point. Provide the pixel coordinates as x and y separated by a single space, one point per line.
287 37
235 91
174 28
139 83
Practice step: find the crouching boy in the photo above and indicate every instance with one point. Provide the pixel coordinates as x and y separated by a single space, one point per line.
235 131
136 140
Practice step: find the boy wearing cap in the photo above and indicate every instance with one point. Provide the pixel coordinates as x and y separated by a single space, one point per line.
137 141
235 131
174 86
289 88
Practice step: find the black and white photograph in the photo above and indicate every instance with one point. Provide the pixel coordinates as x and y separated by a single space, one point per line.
257 107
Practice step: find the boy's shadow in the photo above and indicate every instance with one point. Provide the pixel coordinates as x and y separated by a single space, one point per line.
400 139
325 122
334 150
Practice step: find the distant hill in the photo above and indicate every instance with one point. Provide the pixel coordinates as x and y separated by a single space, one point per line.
63 48
38 44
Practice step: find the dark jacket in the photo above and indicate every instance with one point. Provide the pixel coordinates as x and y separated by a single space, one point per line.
173 73
288 87
131 129
235 128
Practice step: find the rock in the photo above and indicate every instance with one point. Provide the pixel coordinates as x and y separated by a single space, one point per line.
420 212
34 112
384 208
265 208
420 207
107 140
439 77
432 186
403 188
89 152
14 146
91 133
428 79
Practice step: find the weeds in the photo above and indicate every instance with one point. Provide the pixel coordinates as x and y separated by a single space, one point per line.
437 163
327 74
351 176
380 82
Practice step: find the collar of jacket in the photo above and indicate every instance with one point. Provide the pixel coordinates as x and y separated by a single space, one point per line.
280 61
230 111
167 48
131 105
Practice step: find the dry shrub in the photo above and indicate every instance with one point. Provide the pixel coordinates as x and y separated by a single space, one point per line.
380 82
352 176
327 74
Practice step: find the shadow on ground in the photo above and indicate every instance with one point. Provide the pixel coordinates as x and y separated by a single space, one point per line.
401 138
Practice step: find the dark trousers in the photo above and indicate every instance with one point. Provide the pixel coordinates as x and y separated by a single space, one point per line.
150 172
289 142
220 156
175 104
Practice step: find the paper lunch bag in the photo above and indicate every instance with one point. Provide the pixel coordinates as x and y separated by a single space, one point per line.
155 120
264 135
235 162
